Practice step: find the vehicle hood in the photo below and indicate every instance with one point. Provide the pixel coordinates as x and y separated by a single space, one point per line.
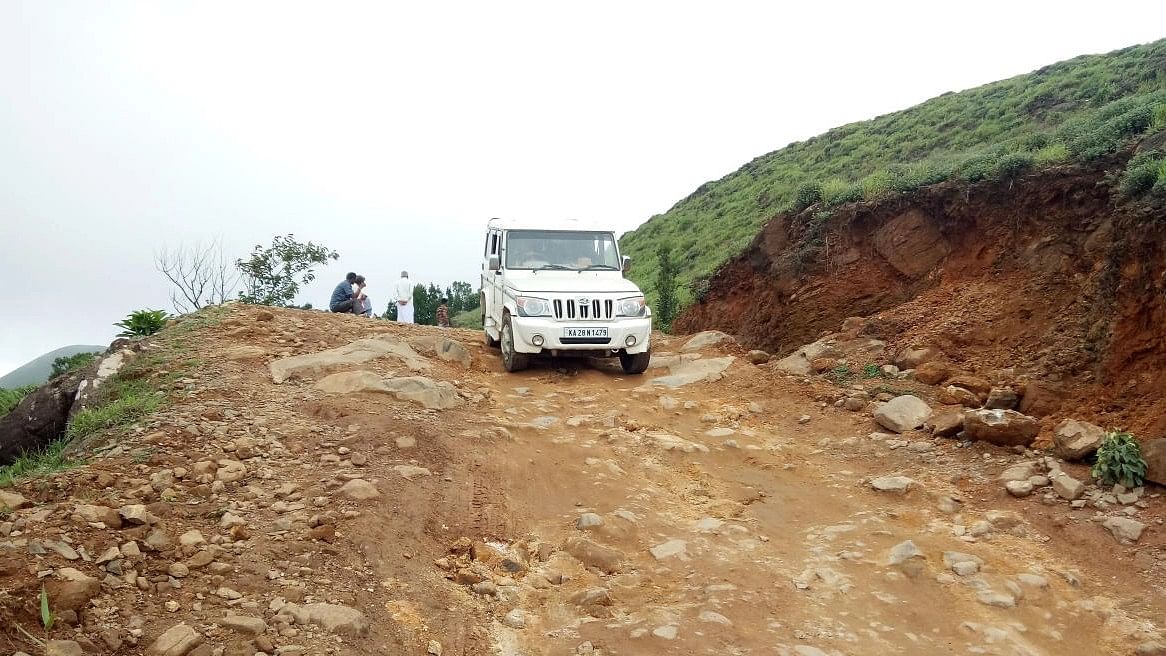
570 282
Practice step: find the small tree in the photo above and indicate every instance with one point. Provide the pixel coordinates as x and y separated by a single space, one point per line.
67 363
200 274
273 274
666 303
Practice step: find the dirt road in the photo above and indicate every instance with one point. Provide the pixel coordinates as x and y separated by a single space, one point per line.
567 510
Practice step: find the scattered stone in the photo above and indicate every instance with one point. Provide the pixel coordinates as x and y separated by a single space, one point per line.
72 589
855 403
955 395
713 617
178 640
1124 529
913 358
63 648
903 552
1067 486
902 413
434 648
1021 471
893 484
178 570
1154 453
359 489
946 424
244 624
1000 427
669 549
996 599
595 555
409 472
931 373
1033 581
804 419
1019 488
191 538
230 471
588 520
704 339
668 632
95 515
137 515
1075 440
1002 398
515 619
334 618
757 357
961 563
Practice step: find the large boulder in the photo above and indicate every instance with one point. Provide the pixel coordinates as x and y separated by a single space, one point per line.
1155 454
39 418
932 372
418 389
453 351
976 385
946 424
800 361
913 357
956 395
1041 399
1074 440
686 372
1001 427
705 339
902 413
358 352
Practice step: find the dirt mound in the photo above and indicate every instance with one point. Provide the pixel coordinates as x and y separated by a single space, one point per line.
1050 274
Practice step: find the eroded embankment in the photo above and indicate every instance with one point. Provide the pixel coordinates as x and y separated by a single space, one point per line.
1050 274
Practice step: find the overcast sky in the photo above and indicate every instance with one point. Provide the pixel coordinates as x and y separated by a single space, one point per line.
392 131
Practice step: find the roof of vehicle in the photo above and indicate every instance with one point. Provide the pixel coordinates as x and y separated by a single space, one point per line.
548 224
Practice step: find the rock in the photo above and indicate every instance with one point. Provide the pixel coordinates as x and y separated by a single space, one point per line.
418 389
1021 471
63 648
191 538
669 632
588 520
977 386
12 501
902 413
1019 488
1033 580
244 352
961 563
1154 452
359 489
1124 529
932 373
1041 399
1066 486
244 624
687 372
1076 440
264 315
996 599
855 403
409 472
757 357
955 395
453 351
1000 427
595 555
95 514
40 417
1001 398
668 403
230 471
485 588
515 619
315 364
592 597
946 424
670 549
137 515
912 358
72 590
893 484
1150 648
704 339
230 520
334 618
434 648
178 570
178 640
713 617
903 552
799 362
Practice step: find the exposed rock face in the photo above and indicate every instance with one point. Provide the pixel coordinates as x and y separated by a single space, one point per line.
453 351
911 243
686 372
933 372
1074 440
913 357
39 419
799 362
705 339
358 352
1001 427
425 391
902 413
1155 454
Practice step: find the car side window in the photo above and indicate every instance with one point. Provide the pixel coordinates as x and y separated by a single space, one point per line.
493 243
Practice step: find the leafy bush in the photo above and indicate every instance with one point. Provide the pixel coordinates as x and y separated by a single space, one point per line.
141 323
273 274
1051 154
1143 172
666 301
10 398
877 185
807 194
1159 121
1119 460
1012 165
837 192
67 363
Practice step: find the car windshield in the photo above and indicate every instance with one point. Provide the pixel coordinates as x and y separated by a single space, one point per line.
550 249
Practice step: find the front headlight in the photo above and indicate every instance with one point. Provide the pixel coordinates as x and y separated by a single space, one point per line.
529 306
630 307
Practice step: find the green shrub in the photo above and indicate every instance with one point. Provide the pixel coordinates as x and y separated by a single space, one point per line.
1159 120
141 323
1142 173
842 374
807 194
68 363
837 192
1051 154
872 371
10 398
1012 165
1119 460
978 167
877 185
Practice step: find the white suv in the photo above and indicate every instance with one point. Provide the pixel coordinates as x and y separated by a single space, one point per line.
559 289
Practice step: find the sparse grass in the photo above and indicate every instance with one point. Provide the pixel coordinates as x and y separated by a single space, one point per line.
841 375
471 319
872 371
48 460
1072 111
10 398
129 401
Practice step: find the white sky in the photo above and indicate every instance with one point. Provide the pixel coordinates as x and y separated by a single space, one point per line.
392 131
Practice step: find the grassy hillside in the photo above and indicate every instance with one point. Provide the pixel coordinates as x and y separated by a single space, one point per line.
1075 110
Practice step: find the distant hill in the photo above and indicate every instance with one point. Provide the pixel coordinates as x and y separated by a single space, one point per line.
1074 111
37 371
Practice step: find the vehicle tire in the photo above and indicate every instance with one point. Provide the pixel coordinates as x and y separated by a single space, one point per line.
490 341
635 363
511 359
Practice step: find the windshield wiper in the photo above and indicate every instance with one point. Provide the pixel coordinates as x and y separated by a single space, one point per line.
556 267
605 267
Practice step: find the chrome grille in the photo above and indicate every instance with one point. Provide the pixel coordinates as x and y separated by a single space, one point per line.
572 309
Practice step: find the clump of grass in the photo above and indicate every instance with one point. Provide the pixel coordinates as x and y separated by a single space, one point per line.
42 462
872 371
841 374
1146 172
127 401
10 398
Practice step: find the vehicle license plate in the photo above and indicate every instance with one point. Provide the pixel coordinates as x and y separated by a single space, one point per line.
585 332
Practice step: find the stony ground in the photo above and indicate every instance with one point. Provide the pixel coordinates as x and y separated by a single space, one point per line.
398 493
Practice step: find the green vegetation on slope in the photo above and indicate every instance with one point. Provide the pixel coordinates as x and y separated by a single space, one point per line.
10 398
1077 110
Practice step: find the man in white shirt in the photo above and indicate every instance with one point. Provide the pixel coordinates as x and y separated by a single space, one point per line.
405 299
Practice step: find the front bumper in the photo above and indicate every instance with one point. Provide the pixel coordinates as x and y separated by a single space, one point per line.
551 331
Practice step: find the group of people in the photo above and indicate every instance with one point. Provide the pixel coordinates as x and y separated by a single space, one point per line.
349 297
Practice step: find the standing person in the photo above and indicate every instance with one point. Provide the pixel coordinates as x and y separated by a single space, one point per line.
405 299
443 313
343 297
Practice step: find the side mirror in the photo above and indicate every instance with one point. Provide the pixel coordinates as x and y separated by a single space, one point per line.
627 263
494 264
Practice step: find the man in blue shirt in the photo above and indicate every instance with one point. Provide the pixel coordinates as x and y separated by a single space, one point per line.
342 296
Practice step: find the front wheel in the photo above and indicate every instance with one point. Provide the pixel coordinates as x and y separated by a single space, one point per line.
511 359
635 363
